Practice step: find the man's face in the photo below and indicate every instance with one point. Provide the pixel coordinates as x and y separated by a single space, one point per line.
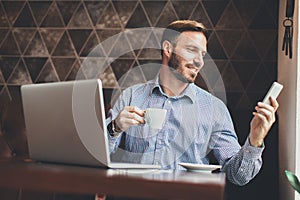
187 57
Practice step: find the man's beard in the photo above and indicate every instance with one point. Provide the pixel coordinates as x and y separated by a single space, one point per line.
176 68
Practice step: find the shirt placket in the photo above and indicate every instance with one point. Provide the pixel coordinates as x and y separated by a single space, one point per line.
162 134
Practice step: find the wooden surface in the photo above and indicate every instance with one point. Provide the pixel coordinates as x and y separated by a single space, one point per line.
153 184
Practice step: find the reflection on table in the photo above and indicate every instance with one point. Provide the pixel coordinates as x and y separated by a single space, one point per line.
138 183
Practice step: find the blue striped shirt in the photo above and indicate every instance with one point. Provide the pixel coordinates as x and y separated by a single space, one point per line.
196 124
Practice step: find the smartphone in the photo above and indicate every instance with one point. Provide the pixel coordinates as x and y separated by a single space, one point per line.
274 91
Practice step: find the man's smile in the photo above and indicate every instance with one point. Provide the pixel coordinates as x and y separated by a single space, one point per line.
193 68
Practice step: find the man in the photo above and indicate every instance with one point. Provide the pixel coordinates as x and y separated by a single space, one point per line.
196 122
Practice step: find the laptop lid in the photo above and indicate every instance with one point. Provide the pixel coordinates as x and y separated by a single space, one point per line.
65 122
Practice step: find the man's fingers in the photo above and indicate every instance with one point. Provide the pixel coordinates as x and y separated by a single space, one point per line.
130 116
131 122
134 109
267 113
274 103
261 116
265 106
134 113
136 117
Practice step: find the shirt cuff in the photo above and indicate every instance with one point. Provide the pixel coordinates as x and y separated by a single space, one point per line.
252 152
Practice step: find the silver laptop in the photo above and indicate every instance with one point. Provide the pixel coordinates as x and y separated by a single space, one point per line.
65 123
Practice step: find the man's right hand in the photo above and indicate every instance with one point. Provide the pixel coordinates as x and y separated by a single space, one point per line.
129 116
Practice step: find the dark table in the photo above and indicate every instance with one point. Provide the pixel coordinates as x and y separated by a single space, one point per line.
153 184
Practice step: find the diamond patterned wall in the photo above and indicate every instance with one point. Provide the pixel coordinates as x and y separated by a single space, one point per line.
44 41
47 41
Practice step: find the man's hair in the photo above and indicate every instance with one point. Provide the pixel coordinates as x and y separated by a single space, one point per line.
175 28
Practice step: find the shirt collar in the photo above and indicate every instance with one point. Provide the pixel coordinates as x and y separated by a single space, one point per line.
189 91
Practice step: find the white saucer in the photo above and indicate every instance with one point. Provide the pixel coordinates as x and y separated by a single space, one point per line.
200 167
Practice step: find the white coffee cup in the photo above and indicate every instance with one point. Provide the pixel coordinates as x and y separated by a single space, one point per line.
155 117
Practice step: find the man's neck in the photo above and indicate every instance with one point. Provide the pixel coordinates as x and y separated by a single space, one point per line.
169 83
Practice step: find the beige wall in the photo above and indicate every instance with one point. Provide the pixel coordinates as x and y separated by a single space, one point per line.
288 113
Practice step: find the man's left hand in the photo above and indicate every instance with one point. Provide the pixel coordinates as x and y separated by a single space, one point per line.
263 119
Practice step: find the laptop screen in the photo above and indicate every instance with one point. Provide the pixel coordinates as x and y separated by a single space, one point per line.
65 122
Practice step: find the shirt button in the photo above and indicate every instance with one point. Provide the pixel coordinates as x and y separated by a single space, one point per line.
157 163
247 151
169 102
159 142
242 169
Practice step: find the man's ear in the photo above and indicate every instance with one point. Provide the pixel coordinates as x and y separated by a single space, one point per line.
167 48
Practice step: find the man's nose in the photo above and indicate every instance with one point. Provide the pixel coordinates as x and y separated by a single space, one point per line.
198 61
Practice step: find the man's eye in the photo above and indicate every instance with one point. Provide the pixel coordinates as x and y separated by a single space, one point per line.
196 51
191 50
